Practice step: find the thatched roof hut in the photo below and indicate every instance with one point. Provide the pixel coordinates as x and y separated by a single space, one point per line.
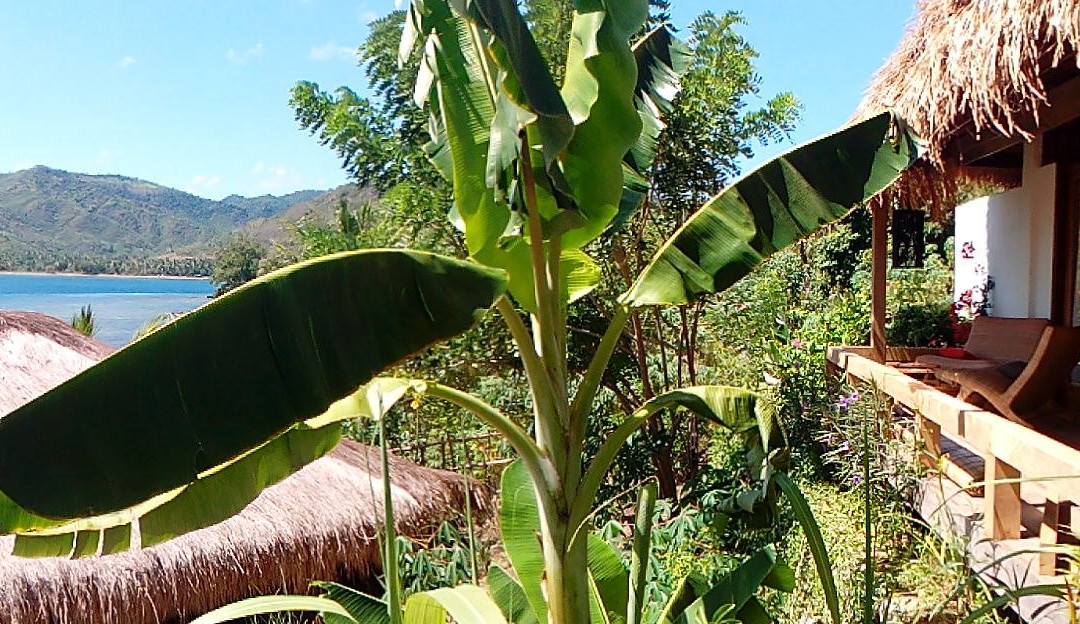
973 78
320 523
38 352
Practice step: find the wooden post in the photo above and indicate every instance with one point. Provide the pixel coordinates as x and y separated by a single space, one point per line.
877 286
1064 247
1002 500
1054 512
930 432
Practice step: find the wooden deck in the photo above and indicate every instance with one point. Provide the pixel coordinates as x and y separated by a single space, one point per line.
1008 489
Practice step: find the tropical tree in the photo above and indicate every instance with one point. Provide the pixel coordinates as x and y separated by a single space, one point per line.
236 262
709 127
239 393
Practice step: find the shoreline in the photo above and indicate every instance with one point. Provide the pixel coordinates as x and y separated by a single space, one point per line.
69 274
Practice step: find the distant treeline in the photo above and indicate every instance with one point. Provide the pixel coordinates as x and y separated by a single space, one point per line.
114 265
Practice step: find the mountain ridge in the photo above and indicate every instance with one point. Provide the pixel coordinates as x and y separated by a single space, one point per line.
48 213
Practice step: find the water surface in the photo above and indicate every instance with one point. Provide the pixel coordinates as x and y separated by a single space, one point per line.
121 304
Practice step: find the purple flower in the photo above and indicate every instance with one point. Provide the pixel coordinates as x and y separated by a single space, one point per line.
856 479
854 396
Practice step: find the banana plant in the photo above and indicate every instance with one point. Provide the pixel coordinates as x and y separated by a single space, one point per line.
185 426
615 591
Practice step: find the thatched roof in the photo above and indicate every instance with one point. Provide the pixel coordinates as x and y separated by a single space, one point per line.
38 352
320 523
975 68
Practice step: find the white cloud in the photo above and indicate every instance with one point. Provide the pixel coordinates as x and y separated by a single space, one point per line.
397 4
242 57
331 51
275 178
200 184
126 62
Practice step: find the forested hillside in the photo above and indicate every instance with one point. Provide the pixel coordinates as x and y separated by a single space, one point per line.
61 221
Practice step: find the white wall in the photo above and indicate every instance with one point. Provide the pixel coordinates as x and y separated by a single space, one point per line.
970 246
1012 234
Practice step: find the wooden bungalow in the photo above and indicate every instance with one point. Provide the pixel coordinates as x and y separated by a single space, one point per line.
321 523
993 88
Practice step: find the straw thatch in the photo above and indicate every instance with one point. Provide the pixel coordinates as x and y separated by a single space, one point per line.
320 523
38 352
973 67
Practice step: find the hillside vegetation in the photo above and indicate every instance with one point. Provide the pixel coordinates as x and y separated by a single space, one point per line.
56 220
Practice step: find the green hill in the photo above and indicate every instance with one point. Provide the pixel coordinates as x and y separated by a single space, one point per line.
322 209
47 213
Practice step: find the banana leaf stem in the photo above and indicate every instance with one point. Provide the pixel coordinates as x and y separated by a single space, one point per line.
390 560
540 468
594 474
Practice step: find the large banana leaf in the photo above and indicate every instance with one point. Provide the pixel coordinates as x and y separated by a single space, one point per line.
263 605
735 589
599 89
361 607
801 508
519 523
772 207
661 61
230 376
507 593
609 581
466 604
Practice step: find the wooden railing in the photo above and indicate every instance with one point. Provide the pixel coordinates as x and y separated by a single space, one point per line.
1012 453
449 452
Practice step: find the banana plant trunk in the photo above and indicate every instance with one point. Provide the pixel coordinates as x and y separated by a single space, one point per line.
565 573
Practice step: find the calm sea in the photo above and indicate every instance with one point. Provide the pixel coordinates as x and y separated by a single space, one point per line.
121 305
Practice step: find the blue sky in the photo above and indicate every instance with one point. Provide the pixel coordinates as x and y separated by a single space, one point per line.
194 93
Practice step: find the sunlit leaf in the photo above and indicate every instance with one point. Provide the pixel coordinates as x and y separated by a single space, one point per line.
773 206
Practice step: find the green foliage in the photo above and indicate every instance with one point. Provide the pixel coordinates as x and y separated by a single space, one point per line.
39 260
710 129
236 262
379 139
920 325
443 561
83 321
538 171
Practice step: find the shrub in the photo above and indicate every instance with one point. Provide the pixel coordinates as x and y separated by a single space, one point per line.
921 325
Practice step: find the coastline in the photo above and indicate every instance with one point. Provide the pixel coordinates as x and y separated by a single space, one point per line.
67 274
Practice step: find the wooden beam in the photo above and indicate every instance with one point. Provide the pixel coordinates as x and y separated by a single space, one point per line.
1002 512
1032 453
877 287
1064 107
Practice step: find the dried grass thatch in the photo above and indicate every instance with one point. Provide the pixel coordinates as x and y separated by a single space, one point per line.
977 62
972 66
38 352
320 523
